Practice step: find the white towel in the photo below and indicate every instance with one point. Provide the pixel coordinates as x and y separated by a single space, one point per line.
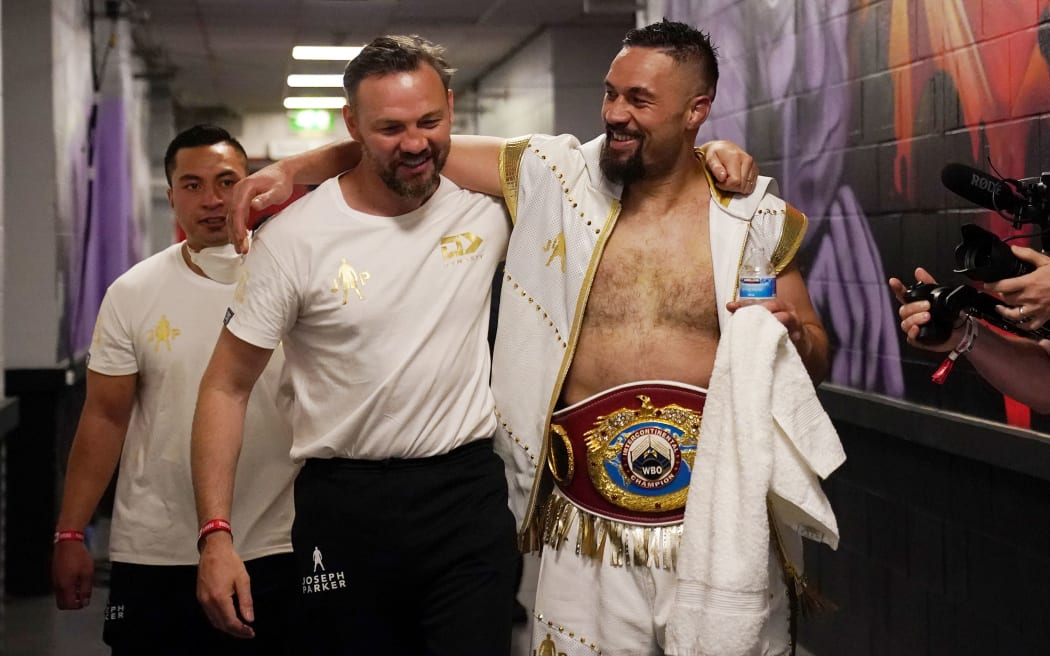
764 435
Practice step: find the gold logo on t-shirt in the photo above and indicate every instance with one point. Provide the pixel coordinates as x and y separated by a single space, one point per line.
163 332
348 278
465 243
556 247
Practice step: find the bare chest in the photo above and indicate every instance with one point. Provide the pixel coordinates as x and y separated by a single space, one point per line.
655 275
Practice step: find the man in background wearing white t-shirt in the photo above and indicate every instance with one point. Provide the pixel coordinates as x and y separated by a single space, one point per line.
155 330
377 284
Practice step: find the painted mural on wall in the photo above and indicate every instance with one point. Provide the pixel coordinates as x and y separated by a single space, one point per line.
989 70
795 79
999 85
855 107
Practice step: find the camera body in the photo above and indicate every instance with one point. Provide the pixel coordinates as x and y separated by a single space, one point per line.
979 256
982 255
945 305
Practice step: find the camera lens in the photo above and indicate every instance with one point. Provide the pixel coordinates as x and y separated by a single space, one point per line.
983 256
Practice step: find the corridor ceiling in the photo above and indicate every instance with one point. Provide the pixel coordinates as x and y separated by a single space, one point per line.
237 53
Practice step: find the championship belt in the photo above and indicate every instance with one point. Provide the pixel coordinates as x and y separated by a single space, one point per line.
627 454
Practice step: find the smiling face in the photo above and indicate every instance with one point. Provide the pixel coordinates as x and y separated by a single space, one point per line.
652 109
201 181
403 121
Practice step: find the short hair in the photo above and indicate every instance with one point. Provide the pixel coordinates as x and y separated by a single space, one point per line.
683 43
394 54
199 135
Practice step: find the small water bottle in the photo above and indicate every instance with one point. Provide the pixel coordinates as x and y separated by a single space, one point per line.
758 281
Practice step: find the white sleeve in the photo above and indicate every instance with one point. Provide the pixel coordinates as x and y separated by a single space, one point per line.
112 350
265 301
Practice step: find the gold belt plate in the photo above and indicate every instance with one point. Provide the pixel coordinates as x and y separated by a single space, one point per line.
642 459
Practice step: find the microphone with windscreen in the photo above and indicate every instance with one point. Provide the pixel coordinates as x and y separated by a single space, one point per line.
982 189
981 255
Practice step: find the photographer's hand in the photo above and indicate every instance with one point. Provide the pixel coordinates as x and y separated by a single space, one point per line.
1016 366
1028 294
917 313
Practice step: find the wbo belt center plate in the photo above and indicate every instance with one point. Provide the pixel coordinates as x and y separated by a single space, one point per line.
642 459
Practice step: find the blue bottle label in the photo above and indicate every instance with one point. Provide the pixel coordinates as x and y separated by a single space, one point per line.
757 287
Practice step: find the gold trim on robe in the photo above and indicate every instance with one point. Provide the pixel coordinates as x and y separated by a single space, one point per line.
509 158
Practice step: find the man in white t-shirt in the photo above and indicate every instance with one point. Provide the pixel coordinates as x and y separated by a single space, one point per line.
378 285
155 331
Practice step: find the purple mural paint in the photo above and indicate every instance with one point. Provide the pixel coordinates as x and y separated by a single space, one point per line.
104 246
787 63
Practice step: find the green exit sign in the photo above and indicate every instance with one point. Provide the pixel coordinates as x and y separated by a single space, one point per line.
311 120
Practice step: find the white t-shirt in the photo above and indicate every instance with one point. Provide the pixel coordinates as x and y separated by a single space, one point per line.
161 321
384 321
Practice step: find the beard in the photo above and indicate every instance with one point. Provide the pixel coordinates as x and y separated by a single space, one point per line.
419 186
619 169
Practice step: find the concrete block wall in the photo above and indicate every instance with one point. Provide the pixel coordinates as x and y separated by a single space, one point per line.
940 554
581 60
30 272
552 85
517 97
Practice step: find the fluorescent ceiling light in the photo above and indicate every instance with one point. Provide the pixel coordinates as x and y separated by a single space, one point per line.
314 102
325 53
316 81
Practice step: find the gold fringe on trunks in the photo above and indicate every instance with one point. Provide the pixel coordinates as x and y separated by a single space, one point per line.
629 544
808 600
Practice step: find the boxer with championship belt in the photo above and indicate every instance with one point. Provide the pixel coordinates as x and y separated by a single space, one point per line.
623 268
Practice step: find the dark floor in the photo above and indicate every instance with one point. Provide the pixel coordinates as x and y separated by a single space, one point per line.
34 627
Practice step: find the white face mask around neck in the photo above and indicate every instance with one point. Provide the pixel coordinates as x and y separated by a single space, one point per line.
220 263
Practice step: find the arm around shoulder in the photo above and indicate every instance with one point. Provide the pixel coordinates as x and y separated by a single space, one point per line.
474 163
272 185
732 167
